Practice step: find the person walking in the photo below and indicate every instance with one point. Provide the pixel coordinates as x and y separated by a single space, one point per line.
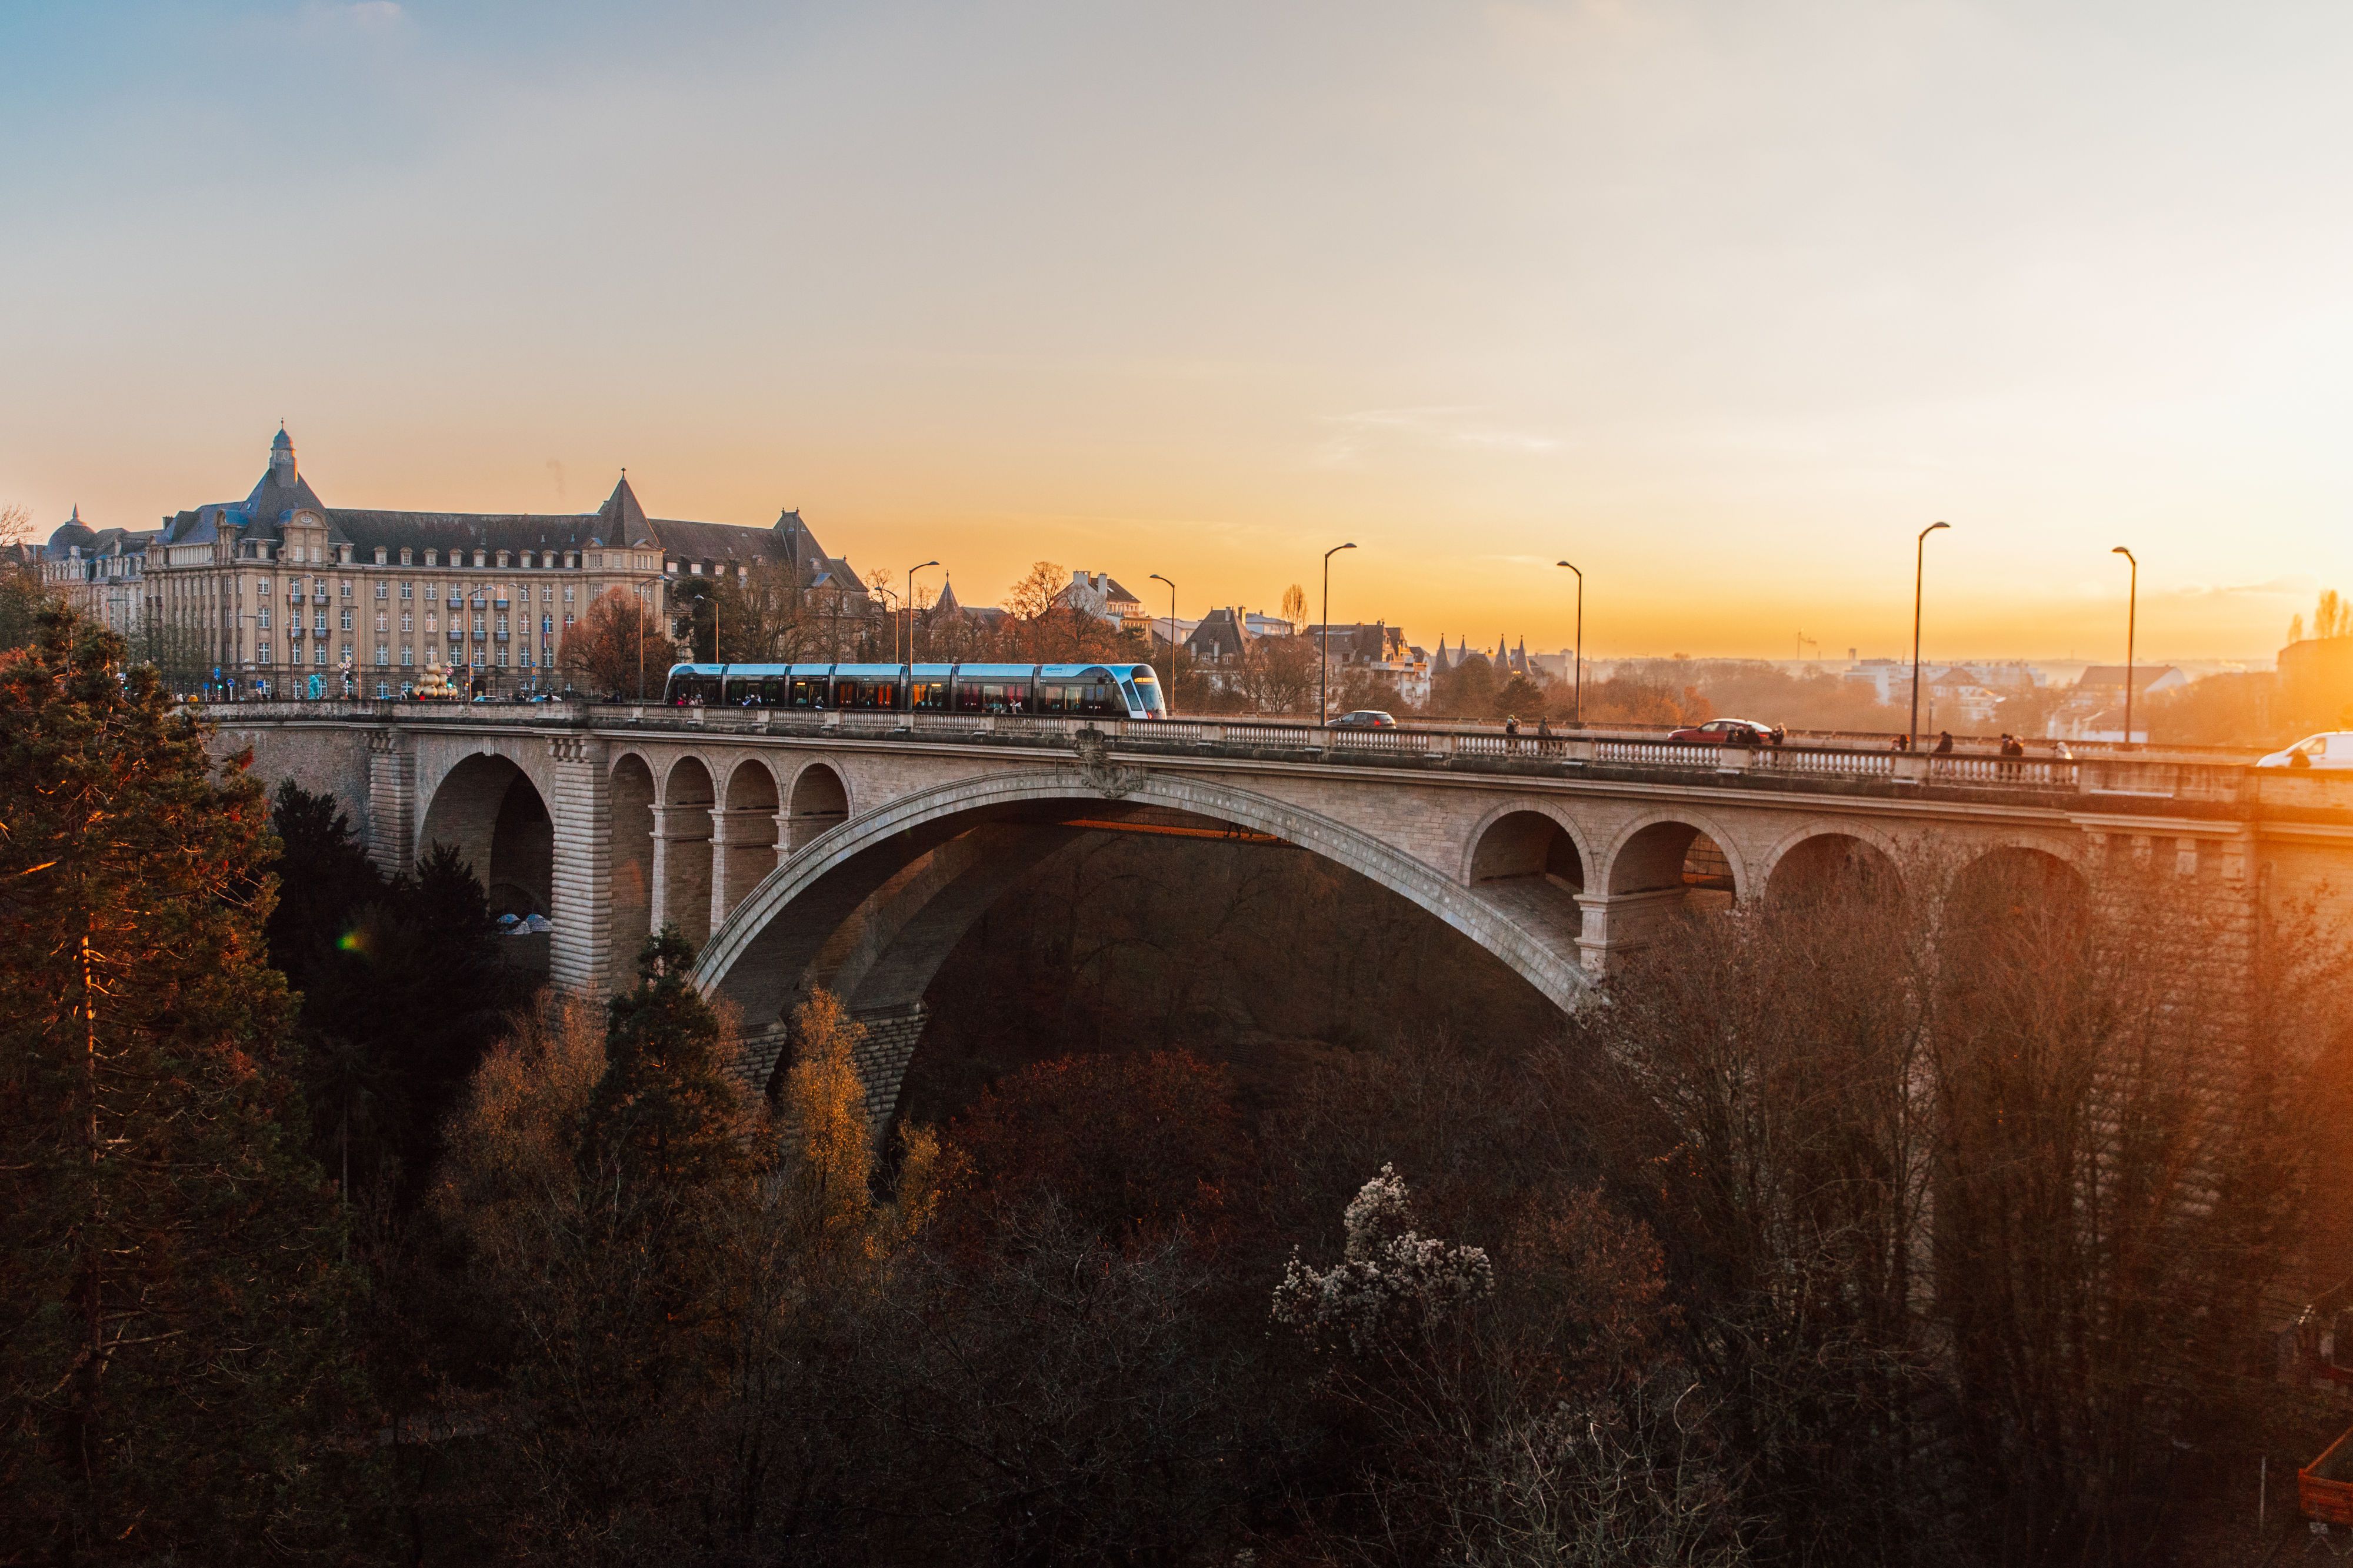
1943 743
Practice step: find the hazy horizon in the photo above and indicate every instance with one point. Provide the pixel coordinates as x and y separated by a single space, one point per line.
1723 303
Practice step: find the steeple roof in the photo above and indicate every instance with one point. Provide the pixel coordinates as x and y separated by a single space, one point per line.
945 605
625 517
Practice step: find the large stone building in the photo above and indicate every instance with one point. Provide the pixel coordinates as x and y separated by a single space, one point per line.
285 593
100 572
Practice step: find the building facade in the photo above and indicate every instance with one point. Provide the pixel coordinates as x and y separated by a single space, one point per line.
283 594
101 572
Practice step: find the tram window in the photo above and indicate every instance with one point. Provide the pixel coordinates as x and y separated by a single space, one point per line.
807 691
883 694
691 689
931 696
993 697
845 694
1127 694
772 690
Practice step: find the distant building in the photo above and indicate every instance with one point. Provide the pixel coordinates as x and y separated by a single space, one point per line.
1099 594
2095 706
282 587
102 572
1219 639
1359 642
2315 683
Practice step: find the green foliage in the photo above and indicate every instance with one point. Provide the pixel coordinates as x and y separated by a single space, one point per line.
666 1110
402 988
176 1370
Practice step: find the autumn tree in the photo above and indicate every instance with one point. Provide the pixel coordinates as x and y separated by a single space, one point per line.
618 645
1294 606
176 1370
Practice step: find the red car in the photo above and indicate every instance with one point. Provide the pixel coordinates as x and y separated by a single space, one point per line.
1723 733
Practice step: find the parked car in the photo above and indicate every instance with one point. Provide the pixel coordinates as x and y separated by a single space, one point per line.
2329 749
1723 733
1365 719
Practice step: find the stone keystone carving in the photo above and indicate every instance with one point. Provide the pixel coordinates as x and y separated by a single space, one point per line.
1103 777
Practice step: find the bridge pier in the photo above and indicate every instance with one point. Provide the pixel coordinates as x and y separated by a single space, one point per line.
1620 922
581 895
743 851
392 801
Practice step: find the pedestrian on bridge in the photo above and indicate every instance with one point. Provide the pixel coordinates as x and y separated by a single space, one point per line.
1944 742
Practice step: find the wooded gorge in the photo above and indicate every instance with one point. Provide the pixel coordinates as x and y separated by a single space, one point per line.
1234 1213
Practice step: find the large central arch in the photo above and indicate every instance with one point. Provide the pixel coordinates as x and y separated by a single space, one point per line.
882 896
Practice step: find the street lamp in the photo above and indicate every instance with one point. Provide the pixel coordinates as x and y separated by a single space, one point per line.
911 618
1578 718
1919 560
1168 698
1324 666
2131 629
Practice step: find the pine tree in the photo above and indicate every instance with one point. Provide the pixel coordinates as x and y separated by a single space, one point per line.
666 1111
176 1359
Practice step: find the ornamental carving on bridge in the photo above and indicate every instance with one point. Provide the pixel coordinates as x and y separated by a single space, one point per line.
1102 776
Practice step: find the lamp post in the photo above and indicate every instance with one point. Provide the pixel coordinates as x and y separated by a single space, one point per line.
1577 720
1323 665
911 620
1919 562
1168 698
2132 630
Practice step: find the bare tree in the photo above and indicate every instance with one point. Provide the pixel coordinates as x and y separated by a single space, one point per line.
618 646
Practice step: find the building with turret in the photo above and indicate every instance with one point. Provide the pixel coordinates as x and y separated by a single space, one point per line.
284 592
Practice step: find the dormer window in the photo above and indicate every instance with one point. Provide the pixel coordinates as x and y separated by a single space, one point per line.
433 558
502 560
481 557
380 554
405 561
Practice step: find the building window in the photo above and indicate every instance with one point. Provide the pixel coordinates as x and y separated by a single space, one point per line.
567 599
567 622
407 657
432 623
262 618
407 621
382 654
263 653
502 658
403 561
384 590
405 589
381 619
318 622
347 587
319 654
347 620
347 653
433 558
478 626
524 658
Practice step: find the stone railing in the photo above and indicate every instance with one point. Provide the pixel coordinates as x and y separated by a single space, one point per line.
2111 776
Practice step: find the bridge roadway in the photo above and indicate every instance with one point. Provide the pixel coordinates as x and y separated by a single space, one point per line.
853 850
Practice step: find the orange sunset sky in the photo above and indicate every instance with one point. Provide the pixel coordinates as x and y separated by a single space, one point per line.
1723 301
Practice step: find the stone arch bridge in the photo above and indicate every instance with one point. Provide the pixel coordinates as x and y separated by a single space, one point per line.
854 850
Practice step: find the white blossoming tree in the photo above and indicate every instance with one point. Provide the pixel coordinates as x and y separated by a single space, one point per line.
1390 1282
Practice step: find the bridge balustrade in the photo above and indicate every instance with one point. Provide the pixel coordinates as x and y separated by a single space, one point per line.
2109 774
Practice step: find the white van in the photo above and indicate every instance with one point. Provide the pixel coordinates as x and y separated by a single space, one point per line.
2329 749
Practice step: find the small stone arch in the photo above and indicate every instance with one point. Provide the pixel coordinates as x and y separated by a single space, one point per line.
1847 859
682 848
1666 850
632 786
820 802
743 837
1531 862
491 812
